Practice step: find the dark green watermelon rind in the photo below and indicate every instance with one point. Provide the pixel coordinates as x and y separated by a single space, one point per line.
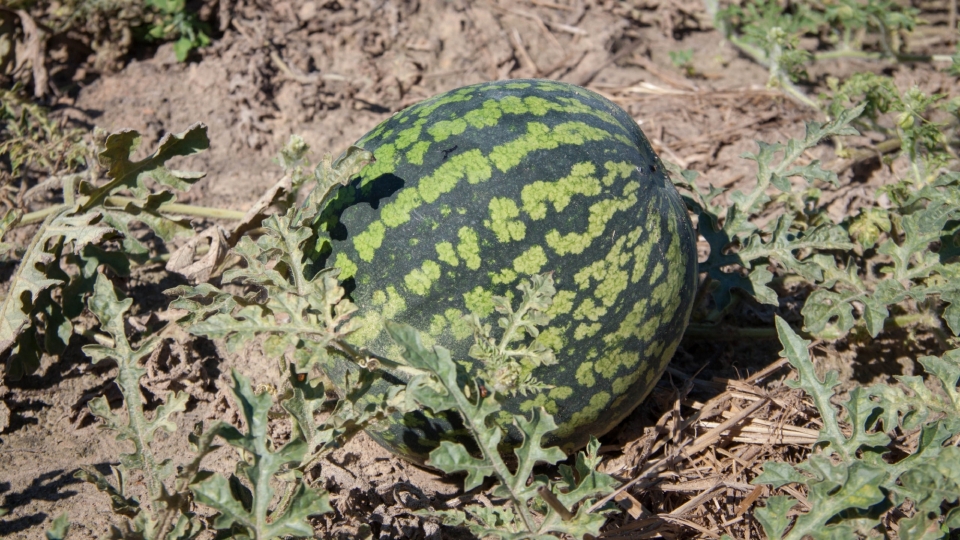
438 209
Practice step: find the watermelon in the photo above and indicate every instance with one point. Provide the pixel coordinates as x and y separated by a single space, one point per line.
475 191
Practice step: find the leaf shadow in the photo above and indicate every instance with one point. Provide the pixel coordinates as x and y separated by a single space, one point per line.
45 487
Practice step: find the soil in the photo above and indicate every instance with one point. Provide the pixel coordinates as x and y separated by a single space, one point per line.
330 71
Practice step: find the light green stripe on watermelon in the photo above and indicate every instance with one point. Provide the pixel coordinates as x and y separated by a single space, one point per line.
588 309
367 242
549 86
665 292
445 129
470 165
384 164
475 167
437 325
502 222
553 337
541 137
562 303
410 135
550 405
530 261
479 301
421 279
585 375
655 273
615 169
585 330
590 413
641 253
348 268
417 152
389 304
486 116
397 212
601 213
459 326
580 181
648 329
621 384
446 253
537 105
607 273
612 362
489 114
426 108
503 277
468 248
628 327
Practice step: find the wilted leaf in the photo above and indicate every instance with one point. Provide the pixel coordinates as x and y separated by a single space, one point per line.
868 226
182 260
126 174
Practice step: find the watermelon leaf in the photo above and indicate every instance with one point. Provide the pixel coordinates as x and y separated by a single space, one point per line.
439 388
165 509
92 214
331 174
866 263
248 509
735 239
297 318
851 476
302 315
507 366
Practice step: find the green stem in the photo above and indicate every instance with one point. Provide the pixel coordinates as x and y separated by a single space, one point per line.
755 53
491 455
187 209
357 357
128 379
173 208
796 93
293 247
865 55
723 332
40 215
509 331
912 319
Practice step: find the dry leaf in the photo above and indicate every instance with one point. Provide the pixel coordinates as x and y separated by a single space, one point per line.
182 260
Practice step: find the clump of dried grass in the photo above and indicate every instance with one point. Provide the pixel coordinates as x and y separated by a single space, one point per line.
689 475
